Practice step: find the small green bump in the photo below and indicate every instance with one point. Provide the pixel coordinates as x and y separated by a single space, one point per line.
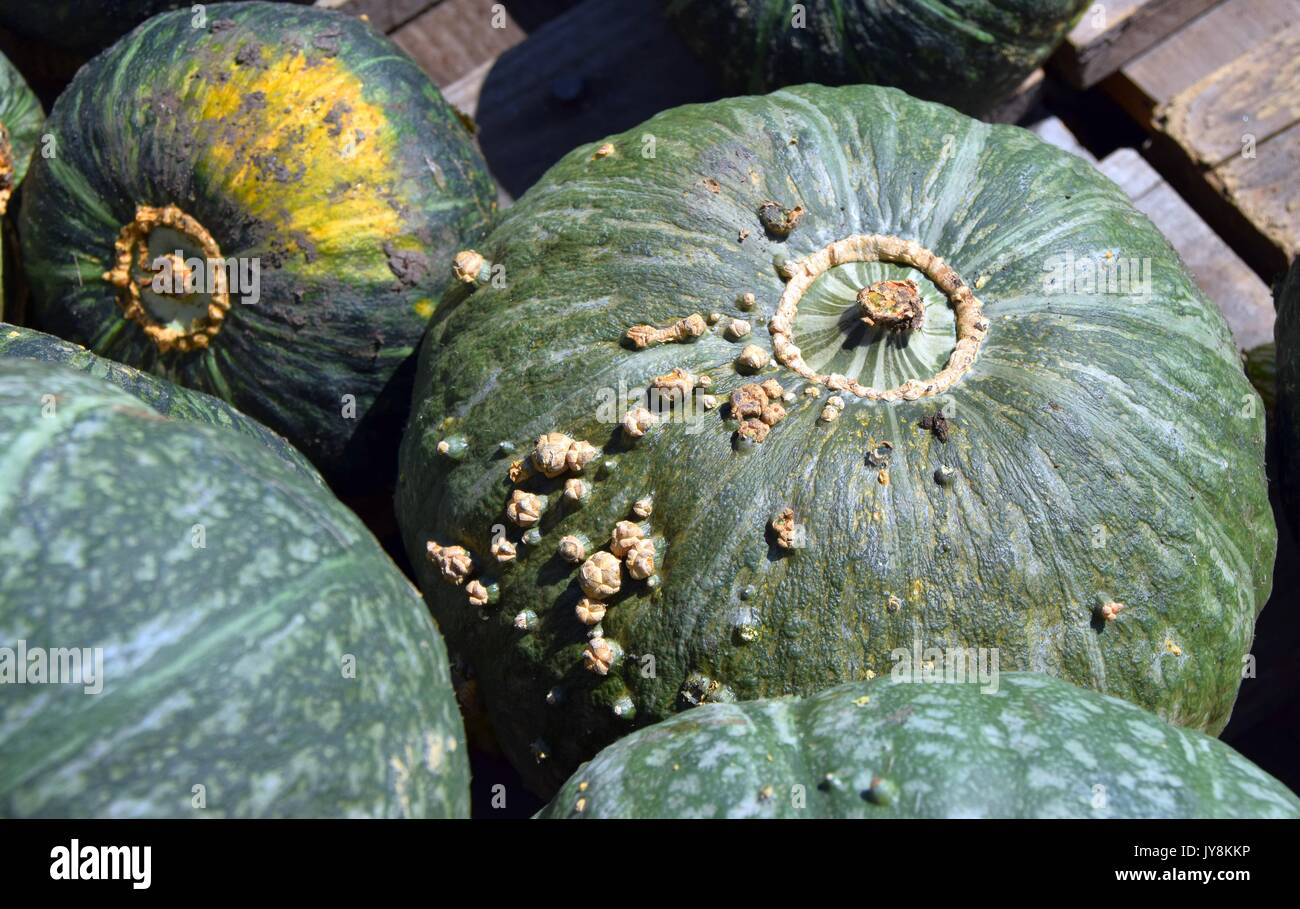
747 592
526 620
882 792
624 709
532 536
607 467
945 475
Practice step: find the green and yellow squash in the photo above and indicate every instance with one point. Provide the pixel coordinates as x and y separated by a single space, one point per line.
88 25
20 125
189 627
970 54
1019 746
311 157
168 399
810 377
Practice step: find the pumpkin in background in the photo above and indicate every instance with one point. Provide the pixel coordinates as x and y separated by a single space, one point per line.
970 54
86 25
296 142
168 399
1286 334
256 641
650 472
1027 746
20 124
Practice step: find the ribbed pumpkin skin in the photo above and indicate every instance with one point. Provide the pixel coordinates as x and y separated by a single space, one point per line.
297 137
970 54
1286 335
86 25
21 116
225 665
1037 747
168 399
1105 446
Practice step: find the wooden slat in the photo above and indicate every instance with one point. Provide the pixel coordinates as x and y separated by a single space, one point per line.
1241 296
384 15
456 36
1257 94
1266 192
1111 34
598 69
1221 35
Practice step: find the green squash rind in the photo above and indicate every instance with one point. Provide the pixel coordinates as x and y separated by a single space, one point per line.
168 399
285 665
1029 747
302 139
1105 447
970 54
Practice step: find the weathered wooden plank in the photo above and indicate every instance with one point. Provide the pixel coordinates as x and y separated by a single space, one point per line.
1241 296
1238 105
384 15
1216 38
598 69
1110 34
1265 191
1053 131
455 36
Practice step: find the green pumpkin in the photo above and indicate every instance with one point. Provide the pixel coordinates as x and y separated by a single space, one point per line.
1026 746
87 25
261 656
995 476
970 54
20 124
168 399
1286 334
298 143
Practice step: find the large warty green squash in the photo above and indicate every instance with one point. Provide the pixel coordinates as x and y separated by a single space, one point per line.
252 651
300 145
1019 746
1286 335
970 54
669 461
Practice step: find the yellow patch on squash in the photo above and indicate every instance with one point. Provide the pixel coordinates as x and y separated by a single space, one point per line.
332 145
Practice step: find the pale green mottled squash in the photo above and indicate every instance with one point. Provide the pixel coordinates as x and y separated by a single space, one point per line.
1104 448
261 655
1029 746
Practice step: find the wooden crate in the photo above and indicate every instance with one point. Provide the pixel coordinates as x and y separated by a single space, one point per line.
1111 34
1221 97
